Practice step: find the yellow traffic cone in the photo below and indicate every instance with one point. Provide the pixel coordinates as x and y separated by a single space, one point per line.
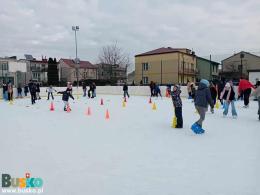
217 104
174 122
154 106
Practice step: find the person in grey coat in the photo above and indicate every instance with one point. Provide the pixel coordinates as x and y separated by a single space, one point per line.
202 100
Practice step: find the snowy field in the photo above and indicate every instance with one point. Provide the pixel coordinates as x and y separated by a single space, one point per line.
135 152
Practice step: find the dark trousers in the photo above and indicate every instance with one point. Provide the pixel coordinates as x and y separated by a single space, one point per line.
126 94
33 97
10 96
247 93
50 93
178 114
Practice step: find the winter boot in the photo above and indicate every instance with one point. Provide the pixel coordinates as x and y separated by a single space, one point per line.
196 128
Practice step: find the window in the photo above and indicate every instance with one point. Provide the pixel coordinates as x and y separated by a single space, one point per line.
4 66
145 80
145 66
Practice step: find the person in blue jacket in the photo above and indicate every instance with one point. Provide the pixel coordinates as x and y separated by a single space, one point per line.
202 100
65 97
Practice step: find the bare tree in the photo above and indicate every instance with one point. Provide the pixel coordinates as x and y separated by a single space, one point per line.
114 55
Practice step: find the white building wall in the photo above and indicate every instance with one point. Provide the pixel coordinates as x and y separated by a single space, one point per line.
253 76
15 66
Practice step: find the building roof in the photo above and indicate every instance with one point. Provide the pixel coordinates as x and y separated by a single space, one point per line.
240 53
163 50
82 64
207 60
39 61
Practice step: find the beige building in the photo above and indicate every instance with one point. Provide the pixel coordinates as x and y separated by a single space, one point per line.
231 67
68 70
165 66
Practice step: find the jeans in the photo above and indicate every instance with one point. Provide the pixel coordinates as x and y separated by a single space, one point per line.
84 92
126 94
226 107
50 93
178 114
202 112
5 95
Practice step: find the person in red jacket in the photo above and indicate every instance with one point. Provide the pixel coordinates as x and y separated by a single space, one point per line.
245 88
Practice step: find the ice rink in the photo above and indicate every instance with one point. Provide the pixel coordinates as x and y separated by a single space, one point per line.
135 152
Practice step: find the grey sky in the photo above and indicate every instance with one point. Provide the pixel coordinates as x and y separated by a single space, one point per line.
43 27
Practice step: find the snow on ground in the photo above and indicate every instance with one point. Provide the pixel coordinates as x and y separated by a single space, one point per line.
135 152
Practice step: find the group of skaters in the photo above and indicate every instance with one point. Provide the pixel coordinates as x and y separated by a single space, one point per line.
155 89
207 94
8 90
91 91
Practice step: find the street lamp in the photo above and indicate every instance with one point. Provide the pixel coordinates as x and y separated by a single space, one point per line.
75 29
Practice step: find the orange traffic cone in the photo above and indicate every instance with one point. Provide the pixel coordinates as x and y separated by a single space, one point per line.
88 113
107 115
52 107
101 102
68 108
150 100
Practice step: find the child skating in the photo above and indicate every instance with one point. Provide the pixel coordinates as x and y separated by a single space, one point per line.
65 98
50 91
228 95
177 103
202 100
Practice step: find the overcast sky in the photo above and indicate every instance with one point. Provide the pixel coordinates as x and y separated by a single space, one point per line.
43 27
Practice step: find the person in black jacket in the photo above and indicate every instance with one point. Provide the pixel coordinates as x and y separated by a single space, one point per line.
33 89
26 90
65 98
202 100
5 88
213 92
228 94
19 91
125 89
38 90
84 87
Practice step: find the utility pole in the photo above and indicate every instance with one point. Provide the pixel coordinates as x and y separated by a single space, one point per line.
75 29
161 72
242 55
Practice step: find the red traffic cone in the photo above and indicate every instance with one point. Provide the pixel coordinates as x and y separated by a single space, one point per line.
150 100
88 113
68 108
52 107
107 115
101 102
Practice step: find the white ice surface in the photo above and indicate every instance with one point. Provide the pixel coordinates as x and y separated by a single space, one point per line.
136 152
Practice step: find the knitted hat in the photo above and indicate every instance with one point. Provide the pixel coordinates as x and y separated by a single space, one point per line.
204 81
227 85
